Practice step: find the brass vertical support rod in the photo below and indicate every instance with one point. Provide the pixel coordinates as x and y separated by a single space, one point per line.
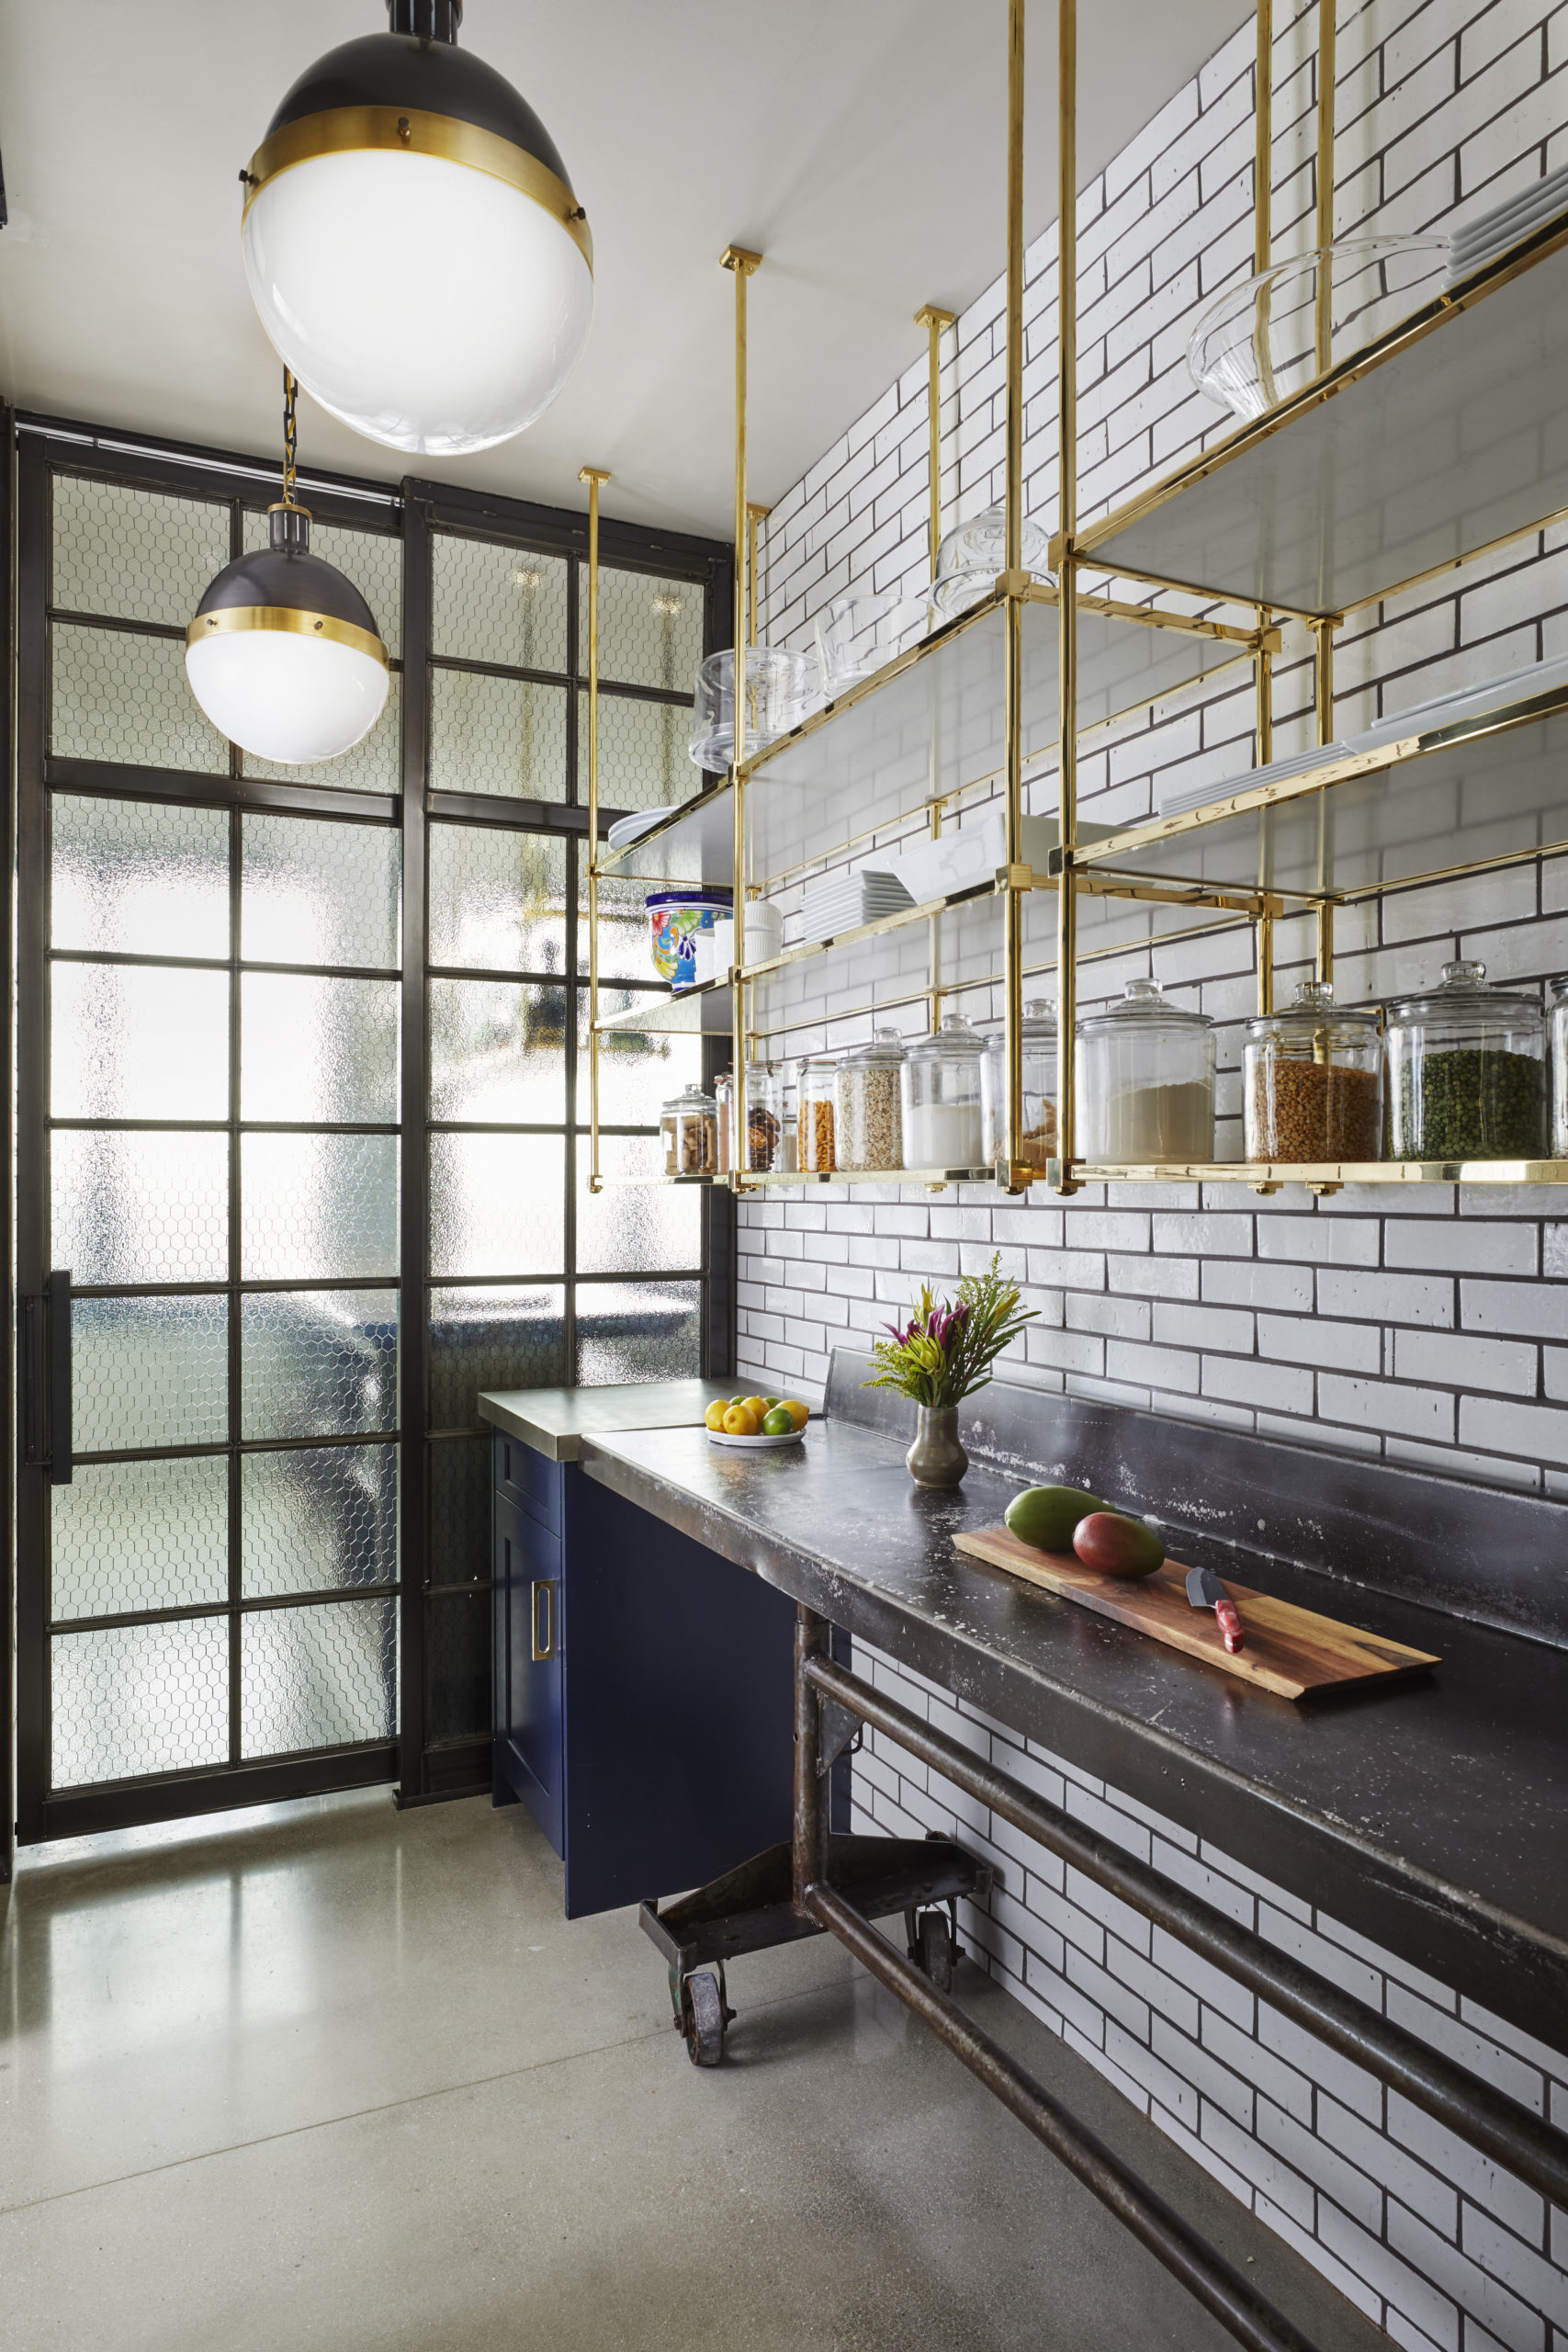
1323 697
1014 581
933 320
1323 337
1263 680
743 264
1067 588
1263 191
754 515
593 476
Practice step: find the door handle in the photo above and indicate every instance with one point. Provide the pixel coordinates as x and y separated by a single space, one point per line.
47 1427
544 1646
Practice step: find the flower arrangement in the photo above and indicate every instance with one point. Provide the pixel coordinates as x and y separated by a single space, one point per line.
945 1350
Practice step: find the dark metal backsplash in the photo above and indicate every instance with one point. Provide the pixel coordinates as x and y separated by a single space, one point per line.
1475 1552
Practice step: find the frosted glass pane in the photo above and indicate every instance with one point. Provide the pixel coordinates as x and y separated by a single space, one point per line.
119 697
494 604
319 1364
643 761
498 1052
130 879
491 1338
319 1519
639 1069
637 1332
497 899
138 1699
316 1678
626 951
457 1664
132 1042
650 630
497 735
316 1206
372 559
129 1536
460 1510
318 1050
134 554
140 1208
319 893
633 1227
373 765
149 1372
497 1204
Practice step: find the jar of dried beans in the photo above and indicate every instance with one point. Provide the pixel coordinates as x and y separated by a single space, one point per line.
815 1093
1037 1139
868 1130
764 1116
1312 1086
1466 1072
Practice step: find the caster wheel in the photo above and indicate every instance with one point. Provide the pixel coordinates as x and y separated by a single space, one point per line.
703 2018
936 1952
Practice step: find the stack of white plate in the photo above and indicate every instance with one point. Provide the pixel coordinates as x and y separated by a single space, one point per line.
631 829
842 901
1490 233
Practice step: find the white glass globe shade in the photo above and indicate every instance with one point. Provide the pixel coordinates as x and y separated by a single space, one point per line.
430 306
285 697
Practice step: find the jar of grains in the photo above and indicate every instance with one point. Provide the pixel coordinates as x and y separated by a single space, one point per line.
1466 1072
1559 1026
868 1131
764 1115
1312 1083
1037 1144
1145 1070
942 1097
689 1130
724 1095
815 1091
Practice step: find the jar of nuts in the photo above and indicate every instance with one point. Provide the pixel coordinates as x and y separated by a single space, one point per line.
689 1127
815 1090
868 1128
764 1116
1312 1087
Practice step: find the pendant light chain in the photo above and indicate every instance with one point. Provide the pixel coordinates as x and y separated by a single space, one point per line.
290 437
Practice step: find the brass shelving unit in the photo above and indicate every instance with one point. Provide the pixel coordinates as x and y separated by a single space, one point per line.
1433 445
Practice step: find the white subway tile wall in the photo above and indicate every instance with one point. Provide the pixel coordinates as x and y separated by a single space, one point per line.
1434 1333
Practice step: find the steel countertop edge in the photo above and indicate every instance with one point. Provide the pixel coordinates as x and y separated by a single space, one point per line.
1429 1817
554 1421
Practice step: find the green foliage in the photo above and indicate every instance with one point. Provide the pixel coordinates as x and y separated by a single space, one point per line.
945 1350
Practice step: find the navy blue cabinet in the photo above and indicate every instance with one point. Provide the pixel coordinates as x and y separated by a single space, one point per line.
643 1688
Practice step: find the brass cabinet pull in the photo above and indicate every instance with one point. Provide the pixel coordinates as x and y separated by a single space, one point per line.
546 1648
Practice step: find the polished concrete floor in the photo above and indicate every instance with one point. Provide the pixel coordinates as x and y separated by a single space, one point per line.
337 2079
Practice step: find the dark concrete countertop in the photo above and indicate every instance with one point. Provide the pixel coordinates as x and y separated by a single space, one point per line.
555 1421
1431 1816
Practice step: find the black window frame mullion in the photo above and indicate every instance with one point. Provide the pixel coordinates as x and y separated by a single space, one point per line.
236 1268
414 1523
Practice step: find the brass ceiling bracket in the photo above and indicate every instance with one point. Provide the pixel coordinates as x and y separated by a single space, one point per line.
738 257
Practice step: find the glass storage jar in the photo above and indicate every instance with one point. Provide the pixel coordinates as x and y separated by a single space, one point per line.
1466 1072
764 1115
1313 1081
724 1096
942 1097
690 1128
1145 1074
1559 1027
1037 1144
868 1131
816 1143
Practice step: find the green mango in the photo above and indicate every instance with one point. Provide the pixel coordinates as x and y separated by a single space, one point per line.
1044 1517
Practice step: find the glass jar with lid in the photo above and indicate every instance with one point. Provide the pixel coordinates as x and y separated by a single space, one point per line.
868 1124
815 1088
942 1125
1466 1072
724 1096
1558 1025
689 1126
764 1115
1037 1144
1313 1081
1145 1074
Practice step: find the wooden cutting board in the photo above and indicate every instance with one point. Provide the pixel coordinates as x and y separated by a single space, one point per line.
1290 1650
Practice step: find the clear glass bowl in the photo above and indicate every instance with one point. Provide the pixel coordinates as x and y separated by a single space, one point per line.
973 553
858 634
779 686
1258 344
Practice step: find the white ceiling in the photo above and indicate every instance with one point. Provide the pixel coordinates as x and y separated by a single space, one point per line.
858 145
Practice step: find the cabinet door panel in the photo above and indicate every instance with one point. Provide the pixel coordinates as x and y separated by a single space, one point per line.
530 1630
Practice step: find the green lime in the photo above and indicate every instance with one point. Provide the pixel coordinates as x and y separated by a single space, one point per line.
780 1422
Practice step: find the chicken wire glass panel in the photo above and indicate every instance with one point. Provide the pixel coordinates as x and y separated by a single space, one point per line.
132 1042
139 1699
497 899
372 559
639 1069
317 1519
149 1372
634 1226
134 555
133 1535
123 698
319 893
504 605
133 879
318 1049
650 630
498 1052
318 1678
457 1664
319 1364
316 1206
488 1338
626 942
643 761
505 737
497 1204
637 1332
460 1510
139 1208
373 765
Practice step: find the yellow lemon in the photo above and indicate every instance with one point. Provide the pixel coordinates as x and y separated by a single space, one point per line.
716 1412
755 1405
740 1421
799 1414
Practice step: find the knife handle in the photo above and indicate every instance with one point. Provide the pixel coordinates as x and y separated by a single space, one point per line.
1230 1624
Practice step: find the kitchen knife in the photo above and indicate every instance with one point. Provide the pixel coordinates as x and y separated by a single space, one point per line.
1204 1591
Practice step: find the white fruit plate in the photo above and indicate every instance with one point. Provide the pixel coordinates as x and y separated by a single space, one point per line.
755 1445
